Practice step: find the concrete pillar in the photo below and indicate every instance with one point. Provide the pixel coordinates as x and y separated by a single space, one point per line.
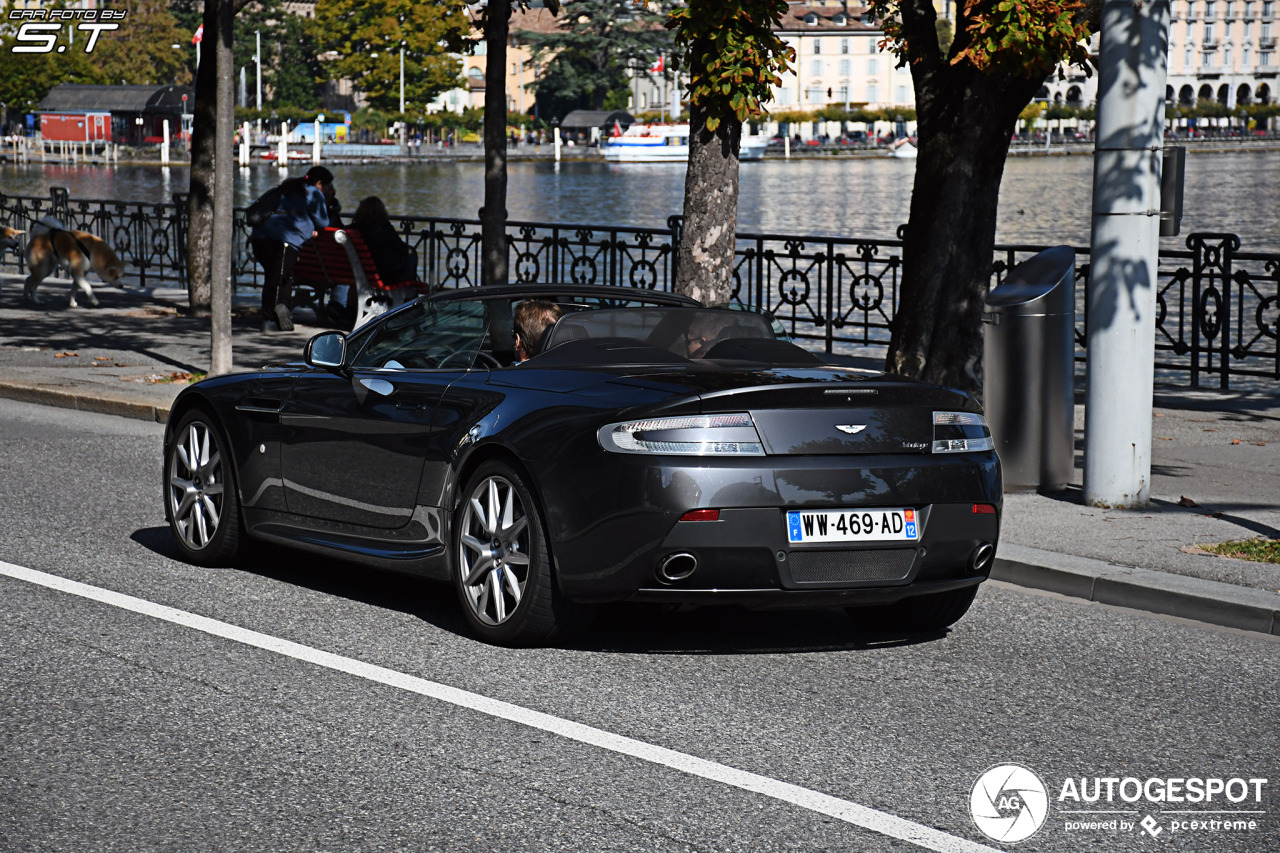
164 149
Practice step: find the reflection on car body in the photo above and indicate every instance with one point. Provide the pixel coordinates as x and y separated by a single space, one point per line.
619 462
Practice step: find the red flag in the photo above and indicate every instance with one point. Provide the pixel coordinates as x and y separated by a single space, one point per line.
617 128
199 36
657 67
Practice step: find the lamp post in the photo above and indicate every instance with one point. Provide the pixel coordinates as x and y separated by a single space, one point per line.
257 62
403 136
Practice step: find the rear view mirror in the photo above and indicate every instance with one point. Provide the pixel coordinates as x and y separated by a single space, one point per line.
327 349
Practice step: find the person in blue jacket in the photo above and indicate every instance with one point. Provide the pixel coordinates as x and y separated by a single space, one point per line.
302 212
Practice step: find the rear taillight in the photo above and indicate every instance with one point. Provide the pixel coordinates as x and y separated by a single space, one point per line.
960 432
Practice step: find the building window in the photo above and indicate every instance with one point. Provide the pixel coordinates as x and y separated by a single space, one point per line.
1226 57
817 46
902 95
871 66
1208 34
844 45
873 93
815 67
844 68
871 46
844 92
1210 8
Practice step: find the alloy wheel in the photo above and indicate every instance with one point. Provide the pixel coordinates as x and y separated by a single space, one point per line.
493 550
197 495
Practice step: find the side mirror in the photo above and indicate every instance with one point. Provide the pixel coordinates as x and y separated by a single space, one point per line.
327 350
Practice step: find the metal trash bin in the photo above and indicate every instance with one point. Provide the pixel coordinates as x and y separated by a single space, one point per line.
1029 338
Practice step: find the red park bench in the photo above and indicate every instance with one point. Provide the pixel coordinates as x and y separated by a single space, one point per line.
337 257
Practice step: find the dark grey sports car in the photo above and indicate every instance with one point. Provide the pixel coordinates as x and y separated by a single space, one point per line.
651 449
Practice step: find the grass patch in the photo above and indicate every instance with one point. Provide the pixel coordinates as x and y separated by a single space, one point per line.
1257 550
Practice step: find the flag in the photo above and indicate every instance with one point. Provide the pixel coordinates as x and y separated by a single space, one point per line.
658 66
617 128
199 36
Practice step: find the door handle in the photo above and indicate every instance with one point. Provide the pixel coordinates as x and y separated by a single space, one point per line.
408 405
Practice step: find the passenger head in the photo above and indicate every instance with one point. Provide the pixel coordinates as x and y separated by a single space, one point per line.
532 318
704 331
370 211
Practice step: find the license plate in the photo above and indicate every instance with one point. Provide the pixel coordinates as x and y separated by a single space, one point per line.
853 525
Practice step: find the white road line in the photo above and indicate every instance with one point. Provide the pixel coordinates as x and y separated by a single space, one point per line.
850 812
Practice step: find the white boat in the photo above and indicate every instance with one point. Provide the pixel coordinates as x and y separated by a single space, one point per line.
666 143
904 149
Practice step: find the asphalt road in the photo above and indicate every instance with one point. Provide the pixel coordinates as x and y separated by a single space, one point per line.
375 729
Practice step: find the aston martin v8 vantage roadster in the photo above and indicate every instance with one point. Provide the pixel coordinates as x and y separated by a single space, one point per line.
646 449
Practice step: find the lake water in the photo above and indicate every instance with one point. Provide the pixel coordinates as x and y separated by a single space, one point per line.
1043 200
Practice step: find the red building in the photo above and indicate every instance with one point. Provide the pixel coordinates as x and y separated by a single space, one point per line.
128 115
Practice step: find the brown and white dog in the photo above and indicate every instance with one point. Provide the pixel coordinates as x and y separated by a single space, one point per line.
50 245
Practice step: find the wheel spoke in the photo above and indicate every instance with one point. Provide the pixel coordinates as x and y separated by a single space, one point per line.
499 603
518 558
201 533
494 508
510 532
211 510
513 586
473 543
477 514
184 506
483 564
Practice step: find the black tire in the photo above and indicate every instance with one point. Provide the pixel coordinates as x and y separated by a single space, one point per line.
200 493
917 614
502 563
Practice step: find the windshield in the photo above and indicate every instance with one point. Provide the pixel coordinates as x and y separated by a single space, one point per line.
427 336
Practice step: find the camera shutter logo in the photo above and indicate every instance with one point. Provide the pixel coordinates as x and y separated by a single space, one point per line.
1009 803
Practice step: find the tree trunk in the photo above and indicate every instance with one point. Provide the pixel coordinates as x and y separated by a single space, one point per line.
704 263
965 120
223 198
493 216
200 198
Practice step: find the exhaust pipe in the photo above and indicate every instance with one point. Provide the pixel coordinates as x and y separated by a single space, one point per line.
676 567
982 557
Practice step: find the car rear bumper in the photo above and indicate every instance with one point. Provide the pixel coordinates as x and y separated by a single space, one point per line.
746 557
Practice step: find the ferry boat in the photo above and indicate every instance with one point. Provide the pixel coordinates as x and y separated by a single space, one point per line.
904 149
666 143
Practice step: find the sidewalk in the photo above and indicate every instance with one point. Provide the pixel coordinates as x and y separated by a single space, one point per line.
1215 455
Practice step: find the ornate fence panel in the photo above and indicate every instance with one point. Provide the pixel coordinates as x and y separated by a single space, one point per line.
149 237
1217 307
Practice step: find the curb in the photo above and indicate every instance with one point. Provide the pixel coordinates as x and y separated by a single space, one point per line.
1140 589
97 402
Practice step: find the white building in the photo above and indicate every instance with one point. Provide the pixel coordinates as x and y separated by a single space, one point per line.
1220 51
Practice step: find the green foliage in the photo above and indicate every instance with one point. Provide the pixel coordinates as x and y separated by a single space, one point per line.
149 48
367 36
584 62
300 74
1025 38
28 77
732 54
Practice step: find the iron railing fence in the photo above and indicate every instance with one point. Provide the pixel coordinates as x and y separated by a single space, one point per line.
1218 308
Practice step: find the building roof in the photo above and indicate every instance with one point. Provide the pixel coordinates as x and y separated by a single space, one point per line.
585 119
826 16
76 97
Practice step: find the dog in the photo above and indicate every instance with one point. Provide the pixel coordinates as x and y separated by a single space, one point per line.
50 245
